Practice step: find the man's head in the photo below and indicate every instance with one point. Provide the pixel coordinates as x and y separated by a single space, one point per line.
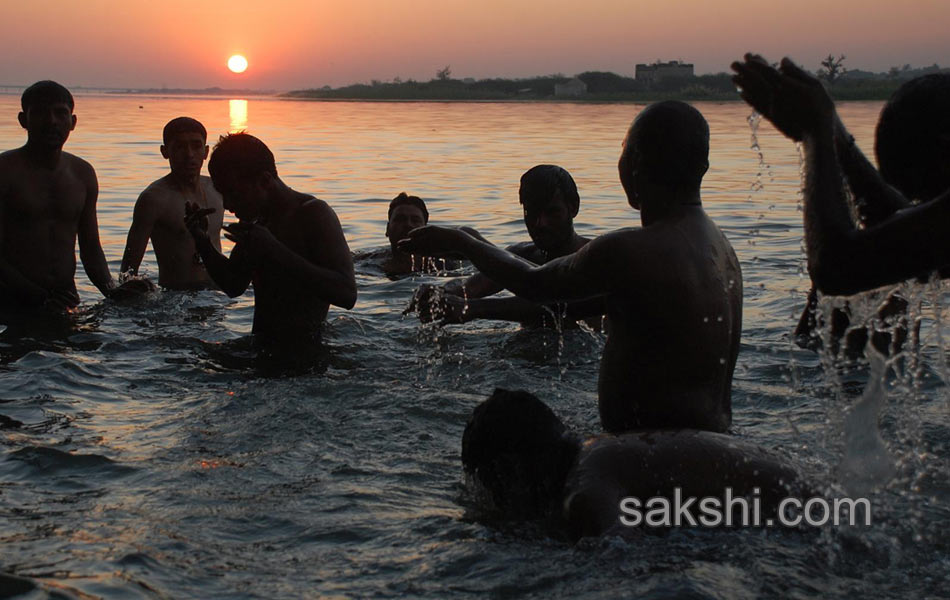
550 201
913 137
667 146
519 452
242 169
185 145
47 114
405 214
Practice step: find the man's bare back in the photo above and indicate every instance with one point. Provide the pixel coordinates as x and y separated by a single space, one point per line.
160 216
674 308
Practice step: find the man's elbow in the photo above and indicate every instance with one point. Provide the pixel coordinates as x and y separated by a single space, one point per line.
232 290
347 299
831 278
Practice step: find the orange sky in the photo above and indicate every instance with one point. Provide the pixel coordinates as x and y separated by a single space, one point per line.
309 43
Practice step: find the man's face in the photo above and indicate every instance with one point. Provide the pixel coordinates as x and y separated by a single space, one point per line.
550 223
48 124
243 196
186 152
404 219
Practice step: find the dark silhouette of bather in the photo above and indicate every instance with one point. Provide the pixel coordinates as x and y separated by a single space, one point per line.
289 244
523 463
47 203
905 242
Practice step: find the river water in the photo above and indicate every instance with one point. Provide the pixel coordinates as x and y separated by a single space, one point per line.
151 460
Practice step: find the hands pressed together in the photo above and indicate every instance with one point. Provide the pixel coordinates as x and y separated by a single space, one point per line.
793 100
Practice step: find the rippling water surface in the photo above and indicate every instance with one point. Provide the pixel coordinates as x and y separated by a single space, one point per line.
144 457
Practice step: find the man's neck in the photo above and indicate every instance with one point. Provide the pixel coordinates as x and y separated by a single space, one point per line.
280 202
671 204
43 156
186 183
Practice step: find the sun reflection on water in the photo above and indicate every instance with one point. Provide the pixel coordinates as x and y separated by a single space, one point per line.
237 110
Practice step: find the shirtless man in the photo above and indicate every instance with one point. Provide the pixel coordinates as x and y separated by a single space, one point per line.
843 259
405 214
47 201
550 200
913 160
525 464
289 244
160 211
673 287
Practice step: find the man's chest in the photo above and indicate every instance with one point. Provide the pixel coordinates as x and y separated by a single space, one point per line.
42 197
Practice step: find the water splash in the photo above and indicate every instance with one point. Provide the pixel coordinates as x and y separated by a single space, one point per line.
867 464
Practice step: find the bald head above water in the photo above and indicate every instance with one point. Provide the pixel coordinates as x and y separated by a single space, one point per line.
668 145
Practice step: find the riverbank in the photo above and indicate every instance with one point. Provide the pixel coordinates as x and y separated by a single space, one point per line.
587 87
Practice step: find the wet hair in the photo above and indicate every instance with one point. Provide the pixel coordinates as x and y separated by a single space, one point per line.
242 154
45 92
519 451
912 141
671 140
542 182
182 125
402 199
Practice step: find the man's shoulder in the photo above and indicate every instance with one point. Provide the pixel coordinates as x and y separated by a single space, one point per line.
524 249
157 191
313 207
629 236
11 162
79 166
9 156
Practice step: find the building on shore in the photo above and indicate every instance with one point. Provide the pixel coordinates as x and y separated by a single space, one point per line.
570 89
659 71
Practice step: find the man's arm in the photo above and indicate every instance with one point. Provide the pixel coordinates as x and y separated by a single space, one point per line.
332 280
875 200
584 274
512 308
143 220
233 274
480 285
90 249
475 286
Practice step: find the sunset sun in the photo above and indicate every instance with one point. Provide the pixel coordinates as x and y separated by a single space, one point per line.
237 63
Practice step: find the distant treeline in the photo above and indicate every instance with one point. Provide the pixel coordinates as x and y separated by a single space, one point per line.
212 91
601 87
